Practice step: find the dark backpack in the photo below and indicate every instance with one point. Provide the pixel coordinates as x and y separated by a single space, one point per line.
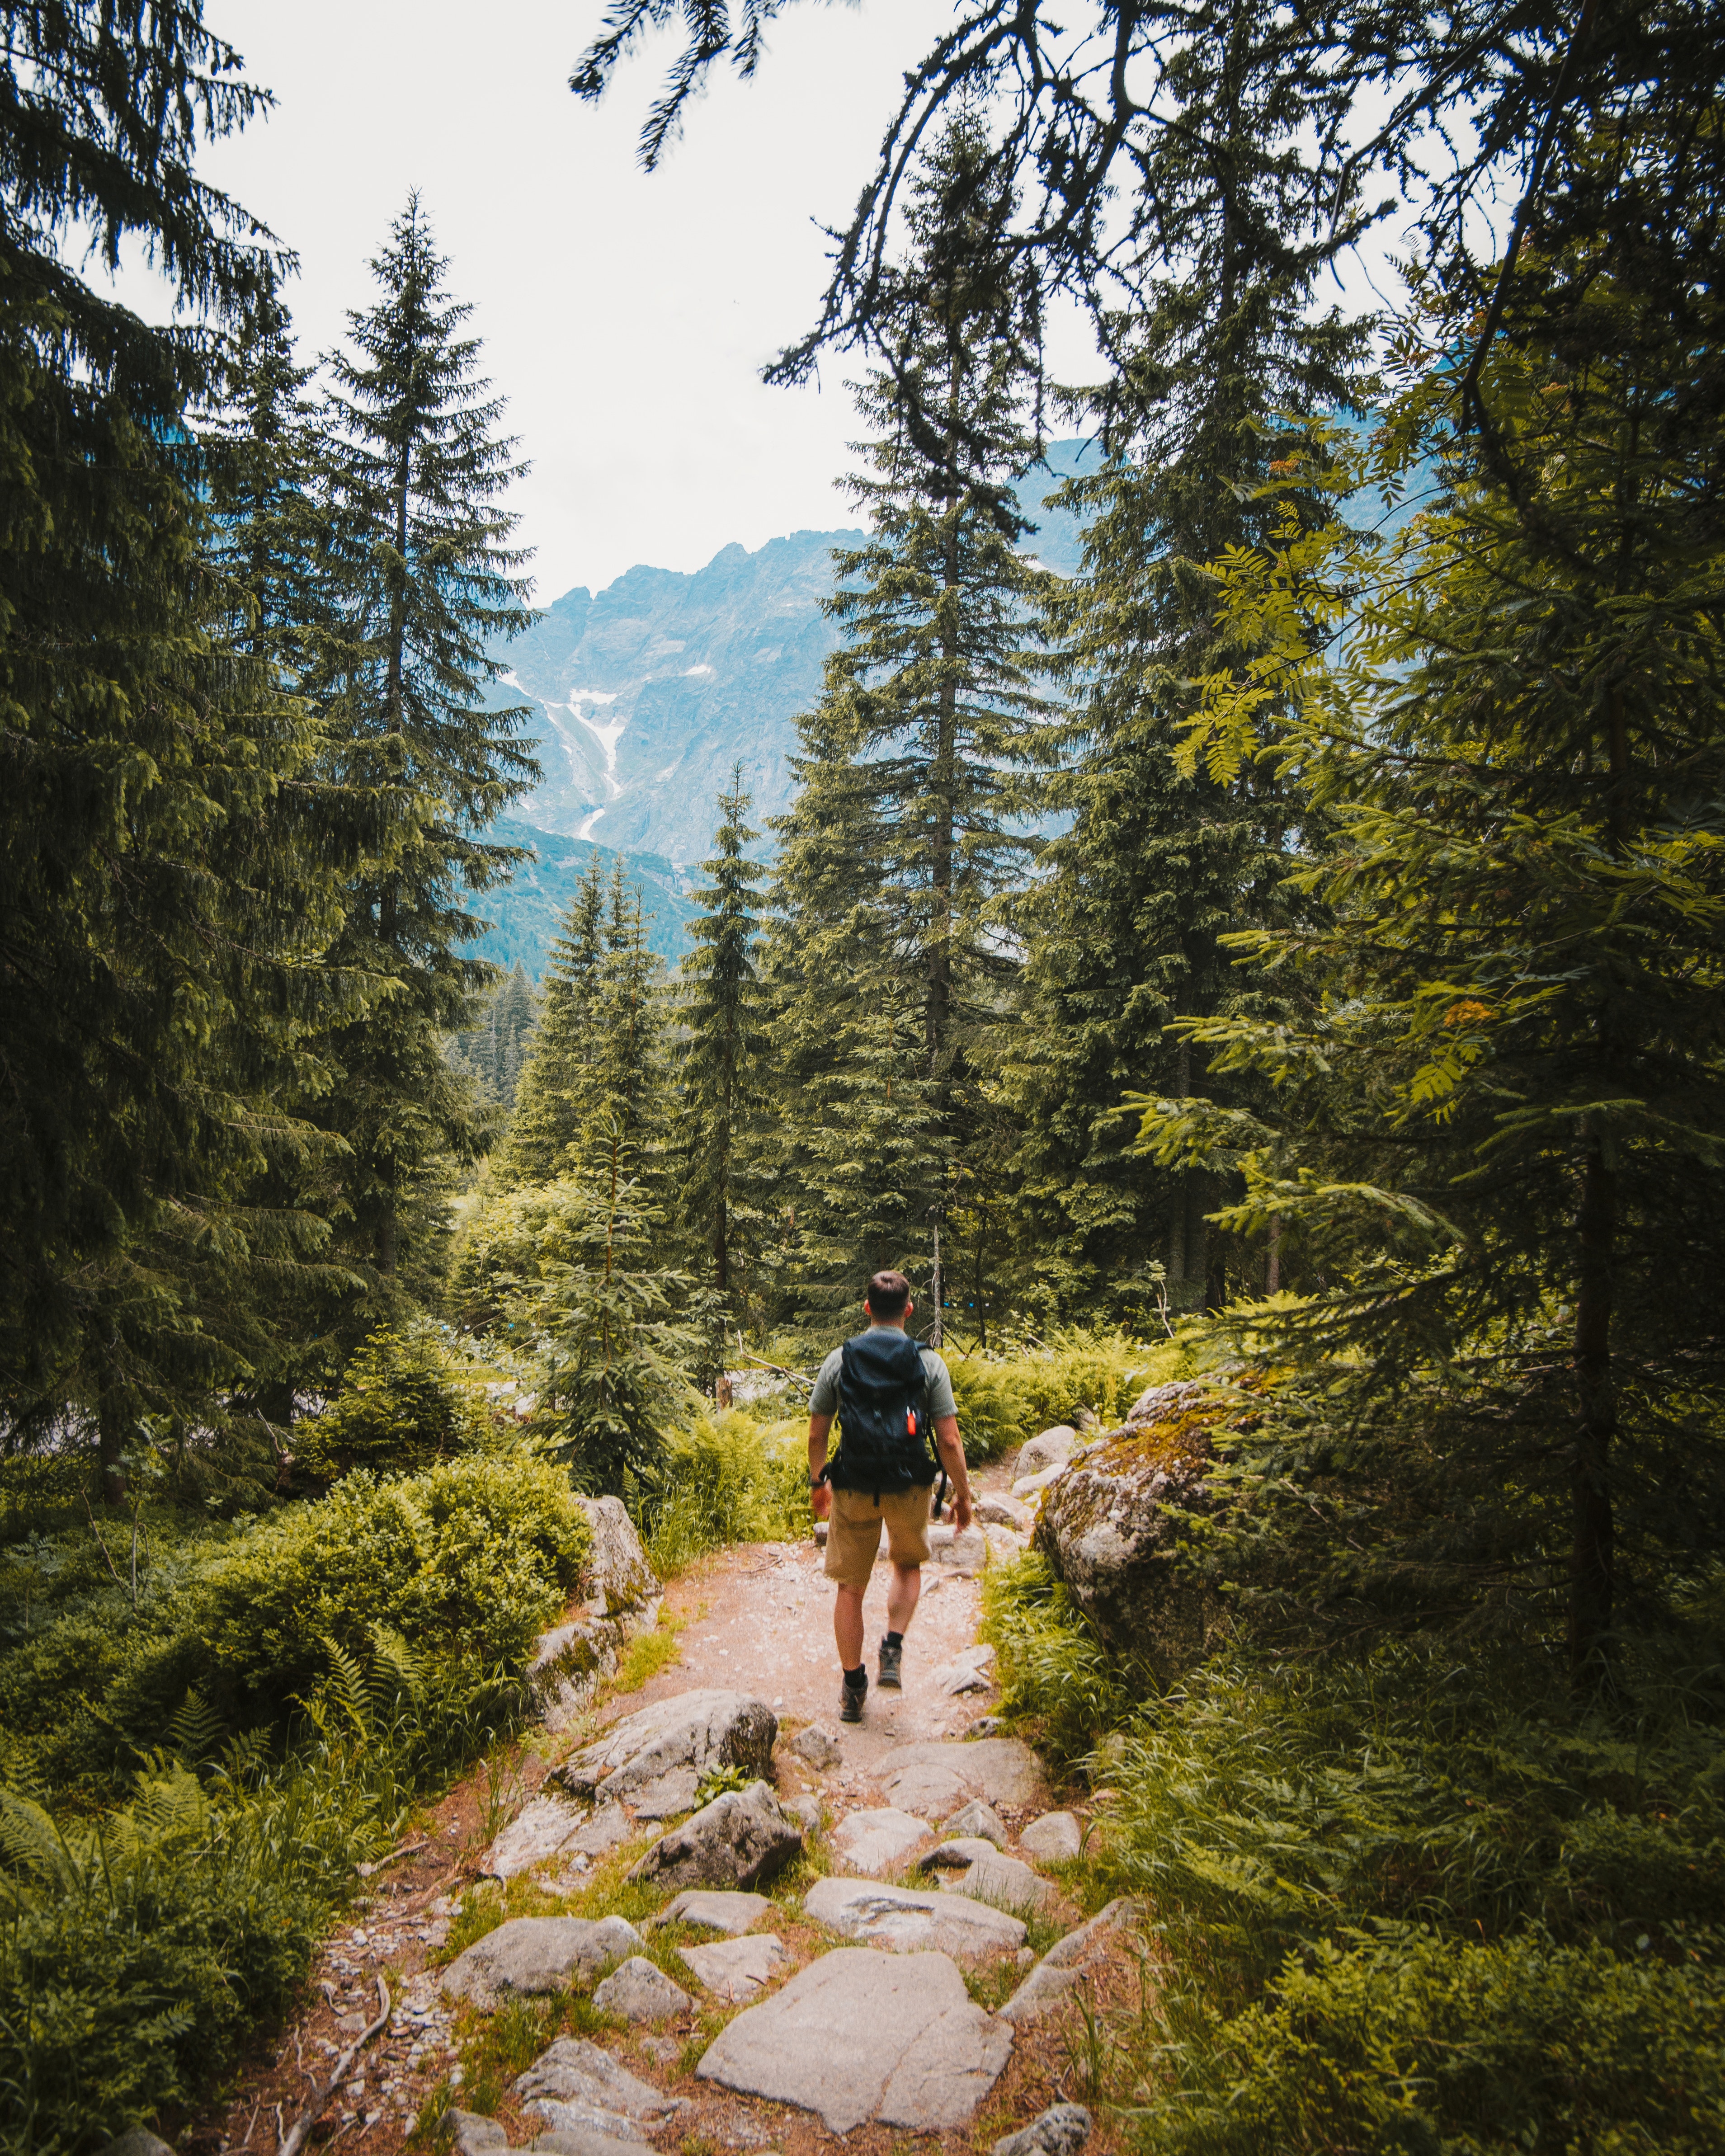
885 1437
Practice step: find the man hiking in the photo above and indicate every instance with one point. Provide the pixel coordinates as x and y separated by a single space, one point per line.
898 1427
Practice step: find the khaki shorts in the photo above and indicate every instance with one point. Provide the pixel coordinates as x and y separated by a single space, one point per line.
853 1535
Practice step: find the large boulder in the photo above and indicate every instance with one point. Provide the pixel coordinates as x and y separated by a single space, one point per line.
1108 1529
738 1839
672 1740
617 1577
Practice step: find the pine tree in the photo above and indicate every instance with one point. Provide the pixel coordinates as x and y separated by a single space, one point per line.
555 1092
1497 1138
425 589
1123 932
902 834
720 1079
159 966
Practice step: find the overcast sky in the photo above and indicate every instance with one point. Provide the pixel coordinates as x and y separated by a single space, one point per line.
626 318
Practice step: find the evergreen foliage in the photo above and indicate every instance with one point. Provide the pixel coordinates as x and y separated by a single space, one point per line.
494 1053
887 968
424 586
720 1083
1122 927
1508 1107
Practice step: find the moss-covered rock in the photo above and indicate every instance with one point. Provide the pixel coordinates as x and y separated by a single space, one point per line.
1108 1529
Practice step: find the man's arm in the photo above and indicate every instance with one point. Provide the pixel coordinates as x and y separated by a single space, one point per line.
820 1495
952 1448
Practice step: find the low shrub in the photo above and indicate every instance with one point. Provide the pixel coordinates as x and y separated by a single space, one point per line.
406 1400
1416 1903
1056 1677
469 1561
722 1478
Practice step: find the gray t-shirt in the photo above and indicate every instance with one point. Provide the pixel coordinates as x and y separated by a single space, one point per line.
825 1398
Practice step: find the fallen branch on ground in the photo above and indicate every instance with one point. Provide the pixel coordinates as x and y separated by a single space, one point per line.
295 2139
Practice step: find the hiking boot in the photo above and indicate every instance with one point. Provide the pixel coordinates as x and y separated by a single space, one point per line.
891 1662
850 1701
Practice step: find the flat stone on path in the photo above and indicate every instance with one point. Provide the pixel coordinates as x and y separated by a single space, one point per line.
735 1969
930 1778
639 1991
535 1954
859 2035
536 1835
608 1826
910 1921
576 2087
715 1910
816 1746
1056 1835
691 1729
958 1855
1004 1882
873 1841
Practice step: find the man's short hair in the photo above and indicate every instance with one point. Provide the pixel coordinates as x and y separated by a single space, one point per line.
888 1294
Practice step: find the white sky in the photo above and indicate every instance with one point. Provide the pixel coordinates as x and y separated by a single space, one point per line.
626 318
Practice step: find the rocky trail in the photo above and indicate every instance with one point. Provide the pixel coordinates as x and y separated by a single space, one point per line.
699 1915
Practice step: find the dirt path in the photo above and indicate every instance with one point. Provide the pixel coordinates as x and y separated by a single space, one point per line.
756 1617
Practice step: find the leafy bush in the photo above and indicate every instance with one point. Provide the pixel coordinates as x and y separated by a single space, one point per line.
468 1560
724 1478
1413 1903
266 1681
1055 1675
405 1401
1005 1398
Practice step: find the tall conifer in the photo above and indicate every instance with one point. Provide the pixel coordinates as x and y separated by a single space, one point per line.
1121 932
428 585
902 833
720 1078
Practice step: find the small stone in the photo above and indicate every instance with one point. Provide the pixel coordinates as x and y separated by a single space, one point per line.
576 2087
693 1729
1052 1448
978 1818
666 2049
608 1826
640 1992
959 1549
1003 1882
953 1678
806 1811
586 2140
535 1954
538 1833
816 1746
958 1855
715 1911
737 1840
988 1725
1056 1836
909 1921
874 1841
138 2141
858 2036
1033 1486
735 1969
1062 2130
476 2135
1006 1512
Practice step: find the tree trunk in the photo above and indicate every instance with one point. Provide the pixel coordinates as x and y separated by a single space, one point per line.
387 1236
721 1252
1592 1530
113 1424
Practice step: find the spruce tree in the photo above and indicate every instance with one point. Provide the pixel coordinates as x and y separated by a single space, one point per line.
1122 928
902 835
554 1094
159 965
425 587
719 1074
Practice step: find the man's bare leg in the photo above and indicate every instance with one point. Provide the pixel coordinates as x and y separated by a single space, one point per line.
847 1625
901 1599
